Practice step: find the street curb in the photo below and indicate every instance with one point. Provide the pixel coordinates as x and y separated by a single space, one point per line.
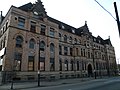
51 83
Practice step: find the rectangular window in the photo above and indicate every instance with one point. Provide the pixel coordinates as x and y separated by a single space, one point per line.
65 50
43 28
42 63
71 50
52 32
77 51
82 65
66 67
84 52
52 64
60 50
30 63
33 26
21 22
17 61
88 54
81 52
78 65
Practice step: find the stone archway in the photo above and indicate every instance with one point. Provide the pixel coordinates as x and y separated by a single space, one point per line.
89 68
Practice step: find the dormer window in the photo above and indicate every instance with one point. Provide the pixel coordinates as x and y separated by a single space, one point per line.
99 41
35 13
63 27
94 39
73 31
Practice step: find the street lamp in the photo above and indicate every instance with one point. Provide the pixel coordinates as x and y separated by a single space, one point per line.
39 64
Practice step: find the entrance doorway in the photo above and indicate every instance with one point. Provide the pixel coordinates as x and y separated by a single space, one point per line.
90 73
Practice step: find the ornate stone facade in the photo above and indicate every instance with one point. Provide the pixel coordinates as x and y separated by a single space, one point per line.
34 41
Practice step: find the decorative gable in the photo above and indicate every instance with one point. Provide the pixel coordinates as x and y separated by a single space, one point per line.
38 9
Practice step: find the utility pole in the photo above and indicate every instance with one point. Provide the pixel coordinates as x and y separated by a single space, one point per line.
117 17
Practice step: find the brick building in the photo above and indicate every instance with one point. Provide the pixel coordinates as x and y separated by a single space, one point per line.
31 41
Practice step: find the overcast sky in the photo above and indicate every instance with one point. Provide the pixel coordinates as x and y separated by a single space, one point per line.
76 12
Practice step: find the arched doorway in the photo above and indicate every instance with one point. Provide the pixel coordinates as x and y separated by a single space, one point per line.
90 73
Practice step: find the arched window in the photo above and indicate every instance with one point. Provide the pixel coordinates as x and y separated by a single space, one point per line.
19 41
32 44
66 65
70 39
52 48
65 38
42 45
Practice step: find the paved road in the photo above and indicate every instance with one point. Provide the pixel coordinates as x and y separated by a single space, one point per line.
98 84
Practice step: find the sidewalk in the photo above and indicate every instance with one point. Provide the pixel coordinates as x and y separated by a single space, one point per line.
26 85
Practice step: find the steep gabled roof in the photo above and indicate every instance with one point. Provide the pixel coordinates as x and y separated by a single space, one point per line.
26 7
108 41
85 28
62 25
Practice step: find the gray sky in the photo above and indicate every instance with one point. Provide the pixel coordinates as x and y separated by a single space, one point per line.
76 12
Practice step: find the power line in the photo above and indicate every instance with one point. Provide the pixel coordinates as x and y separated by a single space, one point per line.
105 10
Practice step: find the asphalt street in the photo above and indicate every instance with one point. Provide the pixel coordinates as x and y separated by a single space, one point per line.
97 84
